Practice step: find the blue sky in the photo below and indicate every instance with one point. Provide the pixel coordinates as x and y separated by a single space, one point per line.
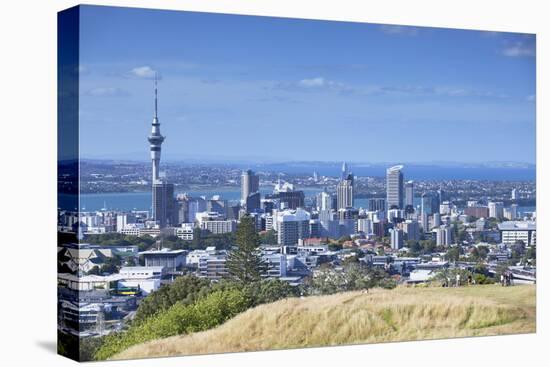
261 88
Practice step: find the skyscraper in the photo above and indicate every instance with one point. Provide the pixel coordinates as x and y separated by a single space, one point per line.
426 203
376 204
344 172
292 226
396 238
344 192
324 200
250 191
163 202
394 187
409 194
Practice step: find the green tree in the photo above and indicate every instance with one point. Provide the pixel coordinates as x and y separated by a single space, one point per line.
414 247
480 252
195 244
453 254
428 246
185 289
335 247
448 276
270 290
269 237
245 263
531 255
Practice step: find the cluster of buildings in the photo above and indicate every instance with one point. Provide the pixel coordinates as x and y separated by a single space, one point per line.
99 303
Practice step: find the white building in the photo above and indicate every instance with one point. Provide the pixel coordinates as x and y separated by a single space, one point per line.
412 230
513 231
123 219
496 209
364 225
185 232
213 267
214 222
292 225
397 238
194 257
276 265
443 236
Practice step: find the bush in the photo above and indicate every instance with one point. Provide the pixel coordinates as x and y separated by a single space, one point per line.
204 314
270 290
186 290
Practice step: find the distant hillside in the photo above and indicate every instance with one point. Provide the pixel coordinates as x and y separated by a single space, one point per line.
355 317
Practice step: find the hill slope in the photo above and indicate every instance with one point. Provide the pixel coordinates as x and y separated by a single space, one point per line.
356 317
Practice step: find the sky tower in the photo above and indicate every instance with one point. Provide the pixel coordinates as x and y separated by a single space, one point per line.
155 140
163 203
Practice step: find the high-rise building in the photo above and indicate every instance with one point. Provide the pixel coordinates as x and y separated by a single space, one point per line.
163 203
513 211
424 219
344 192
218 205
396 237
344 172
286 197
324 200
443 236
250 191
441 195
412 230
426 204
477 211
436 220
364 225
394 187
409 194
292 225
514 195
496 209
377 205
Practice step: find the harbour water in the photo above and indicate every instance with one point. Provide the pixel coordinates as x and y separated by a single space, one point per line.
128 201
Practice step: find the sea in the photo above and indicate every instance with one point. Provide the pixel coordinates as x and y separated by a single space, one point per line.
129 201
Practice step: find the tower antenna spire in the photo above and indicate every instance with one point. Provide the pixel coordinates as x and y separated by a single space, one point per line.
156 94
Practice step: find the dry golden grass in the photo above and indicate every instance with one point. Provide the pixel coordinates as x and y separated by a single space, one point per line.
355 317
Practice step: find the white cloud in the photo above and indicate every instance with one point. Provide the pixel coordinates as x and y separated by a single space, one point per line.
399 30
314 82
145 72
519 49
107 92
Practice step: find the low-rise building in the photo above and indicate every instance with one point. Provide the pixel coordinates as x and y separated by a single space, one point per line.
171 260
512 231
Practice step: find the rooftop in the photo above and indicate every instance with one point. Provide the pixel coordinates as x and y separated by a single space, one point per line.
517 225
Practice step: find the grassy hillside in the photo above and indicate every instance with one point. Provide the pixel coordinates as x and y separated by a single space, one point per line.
356 317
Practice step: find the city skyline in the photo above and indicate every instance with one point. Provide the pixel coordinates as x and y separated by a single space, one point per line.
215 92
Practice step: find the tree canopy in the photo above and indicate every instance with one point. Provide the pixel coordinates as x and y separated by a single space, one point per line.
244 263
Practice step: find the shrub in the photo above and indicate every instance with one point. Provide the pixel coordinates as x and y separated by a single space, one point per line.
270 290
204 314
185 289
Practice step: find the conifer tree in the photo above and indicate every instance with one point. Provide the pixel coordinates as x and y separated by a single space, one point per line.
244 262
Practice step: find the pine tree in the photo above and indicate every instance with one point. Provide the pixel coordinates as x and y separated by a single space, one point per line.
245 263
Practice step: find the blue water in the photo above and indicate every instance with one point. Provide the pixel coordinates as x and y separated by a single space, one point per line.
411 171
142 200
